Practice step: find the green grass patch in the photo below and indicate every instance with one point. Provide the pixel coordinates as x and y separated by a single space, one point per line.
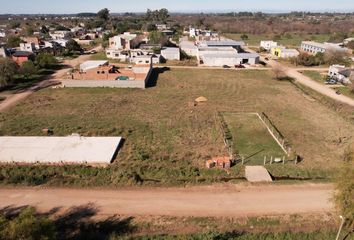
314 75
251 138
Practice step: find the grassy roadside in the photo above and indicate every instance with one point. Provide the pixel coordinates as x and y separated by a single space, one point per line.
80 223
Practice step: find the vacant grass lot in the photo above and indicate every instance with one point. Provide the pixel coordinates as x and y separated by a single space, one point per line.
168 140
252 139
291 40
315 75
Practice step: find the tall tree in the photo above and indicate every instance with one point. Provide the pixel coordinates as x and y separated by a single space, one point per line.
28 68
8 69
103 14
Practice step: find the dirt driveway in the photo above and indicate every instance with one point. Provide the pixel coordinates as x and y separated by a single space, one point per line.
207 201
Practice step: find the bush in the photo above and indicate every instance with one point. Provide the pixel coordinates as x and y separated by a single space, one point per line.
27 225
8 69
45 60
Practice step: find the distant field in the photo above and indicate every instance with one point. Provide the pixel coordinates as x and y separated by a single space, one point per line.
252 139
167 140
293 39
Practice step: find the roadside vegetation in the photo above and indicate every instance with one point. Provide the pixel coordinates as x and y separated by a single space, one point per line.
15 77
81 223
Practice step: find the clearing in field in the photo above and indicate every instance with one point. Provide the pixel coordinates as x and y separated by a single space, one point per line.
251 139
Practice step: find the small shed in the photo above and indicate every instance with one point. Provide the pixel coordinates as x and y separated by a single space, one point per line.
219 162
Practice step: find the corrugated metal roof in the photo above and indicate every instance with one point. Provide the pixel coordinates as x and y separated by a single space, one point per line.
225 43
92 64
71 149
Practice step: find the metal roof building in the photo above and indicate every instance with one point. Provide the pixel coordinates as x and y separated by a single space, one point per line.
56 150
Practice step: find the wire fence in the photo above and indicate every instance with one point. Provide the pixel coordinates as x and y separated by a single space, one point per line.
229 140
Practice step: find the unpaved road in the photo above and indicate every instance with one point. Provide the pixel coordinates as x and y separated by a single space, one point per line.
304 80
207 201
13 99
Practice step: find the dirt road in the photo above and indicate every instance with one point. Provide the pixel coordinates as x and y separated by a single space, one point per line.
68 64
214 201
304 80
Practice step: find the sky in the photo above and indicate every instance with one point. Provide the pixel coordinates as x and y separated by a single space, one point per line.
118 6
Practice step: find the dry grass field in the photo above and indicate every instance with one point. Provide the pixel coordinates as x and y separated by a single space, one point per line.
163 131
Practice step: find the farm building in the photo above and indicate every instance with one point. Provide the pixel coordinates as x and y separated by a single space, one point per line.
315 47
282 52
57 150
170 53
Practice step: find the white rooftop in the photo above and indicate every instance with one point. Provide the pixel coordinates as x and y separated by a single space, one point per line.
71 149
170 49
92 64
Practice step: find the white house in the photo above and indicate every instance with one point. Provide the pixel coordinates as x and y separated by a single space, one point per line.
315 47
122 41
171 53
341 74
117 54
29 47
60 35
268 45
145 59
192 32
2 34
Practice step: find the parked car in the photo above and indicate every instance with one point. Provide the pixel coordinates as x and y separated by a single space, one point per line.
225 66
93 52
239 66
267 59
331 82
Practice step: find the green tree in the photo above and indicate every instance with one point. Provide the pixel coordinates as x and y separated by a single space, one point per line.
28 68
14 25
27 225
244 37
73 46
8 69
103 14
45 60
13 41
344 196
44 29
29 31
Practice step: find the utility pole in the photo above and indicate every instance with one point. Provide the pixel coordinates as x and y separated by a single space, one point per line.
340 227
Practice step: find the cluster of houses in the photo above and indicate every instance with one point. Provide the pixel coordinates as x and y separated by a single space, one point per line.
54 43
209 50
336 73
309 47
